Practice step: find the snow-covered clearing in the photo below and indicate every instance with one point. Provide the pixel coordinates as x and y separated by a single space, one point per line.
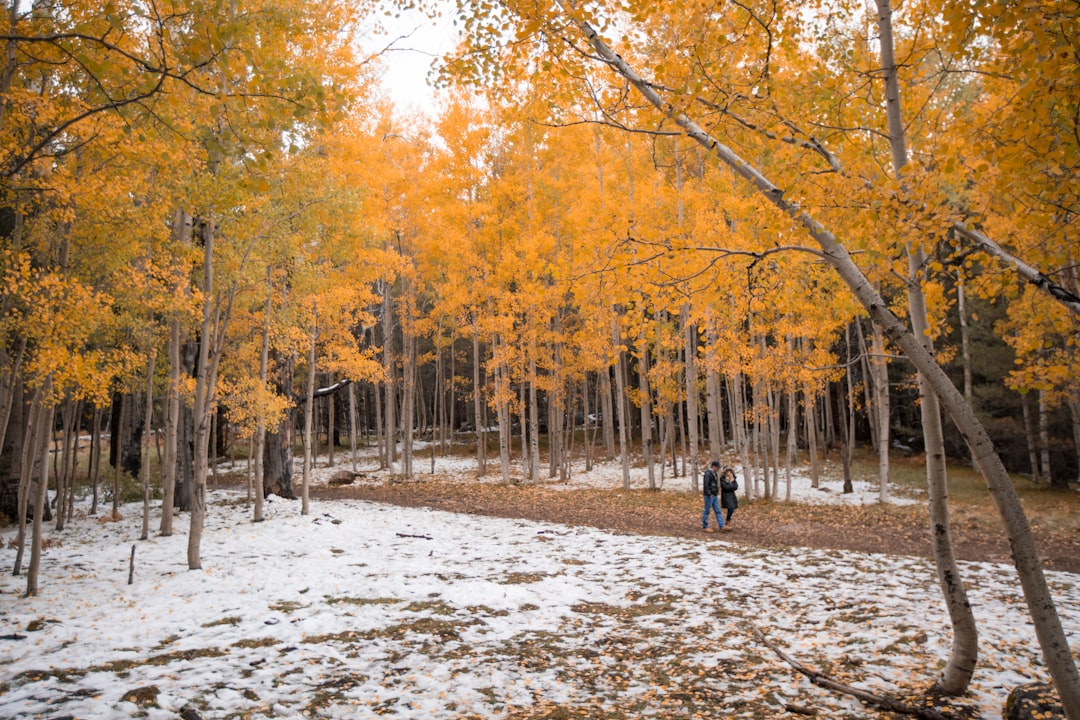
363 610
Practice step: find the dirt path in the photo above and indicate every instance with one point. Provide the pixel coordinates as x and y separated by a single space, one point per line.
899 530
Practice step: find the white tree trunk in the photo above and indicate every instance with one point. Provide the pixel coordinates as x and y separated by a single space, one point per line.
620 401
1044 440
879 368
43 435
691 375
309 412
144 468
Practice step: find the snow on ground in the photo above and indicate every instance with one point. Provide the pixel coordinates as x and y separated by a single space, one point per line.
608 474
362 610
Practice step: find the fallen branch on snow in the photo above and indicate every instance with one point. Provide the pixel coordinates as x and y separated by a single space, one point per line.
418 537
822 680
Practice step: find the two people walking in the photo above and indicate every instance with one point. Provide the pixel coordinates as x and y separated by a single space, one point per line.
719 489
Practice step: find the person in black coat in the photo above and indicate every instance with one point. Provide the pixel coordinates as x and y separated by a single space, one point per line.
711 488
728 499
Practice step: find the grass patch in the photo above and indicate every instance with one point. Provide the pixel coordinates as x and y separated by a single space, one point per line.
435 607
521 578
360 602
256 643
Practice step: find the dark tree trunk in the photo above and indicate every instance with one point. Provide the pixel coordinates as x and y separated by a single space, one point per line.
278 455
11 454
125 442
185 457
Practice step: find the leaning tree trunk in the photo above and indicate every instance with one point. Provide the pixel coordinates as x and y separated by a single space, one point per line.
202 406
44 436
1048 628
29 441
957 673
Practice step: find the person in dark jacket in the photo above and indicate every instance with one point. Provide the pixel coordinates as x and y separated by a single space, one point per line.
711 487
728 499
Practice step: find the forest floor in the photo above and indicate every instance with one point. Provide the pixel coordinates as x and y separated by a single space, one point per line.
890 529
466 597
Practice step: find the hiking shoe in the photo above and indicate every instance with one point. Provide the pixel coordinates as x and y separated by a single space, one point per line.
708 529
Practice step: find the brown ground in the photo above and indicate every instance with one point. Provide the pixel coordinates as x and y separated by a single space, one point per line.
890 529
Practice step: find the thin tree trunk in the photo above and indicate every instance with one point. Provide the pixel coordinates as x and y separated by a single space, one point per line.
331 430
388 364
646 410
960 668
1046 470
202 405
214 321
792 438
26 475
620 401
114 450
352 426
1074 411
380 428
144 469
774 435
1030 436
690 369
587 439
65 472
849 430
309 412
72 468
607 410
45 432
478 400
965 352
260 425
172 429
879 369
534 420
408 373
737 412
501 394
9 378
94 471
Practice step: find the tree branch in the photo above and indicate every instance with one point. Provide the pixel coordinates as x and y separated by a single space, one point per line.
822 680
1032 274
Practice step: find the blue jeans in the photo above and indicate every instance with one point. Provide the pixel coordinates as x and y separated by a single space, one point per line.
712 502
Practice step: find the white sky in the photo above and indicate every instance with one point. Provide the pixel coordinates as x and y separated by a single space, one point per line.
361 609
416 42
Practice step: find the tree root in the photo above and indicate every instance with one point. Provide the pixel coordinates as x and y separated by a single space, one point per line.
822 680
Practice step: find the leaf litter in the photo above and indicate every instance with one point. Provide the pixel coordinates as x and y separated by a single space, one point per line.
299 617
